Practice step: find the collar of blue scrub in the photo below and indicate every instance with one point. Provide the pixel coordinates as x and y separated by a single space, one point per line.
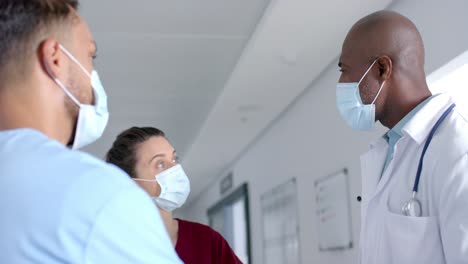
397 130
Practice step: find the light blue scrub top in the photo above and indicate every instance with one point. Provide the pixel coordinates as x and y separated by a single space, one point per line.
393 135
63 206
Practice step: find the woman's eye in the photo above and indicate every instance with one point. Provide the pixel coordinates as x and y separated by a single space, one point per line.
176 160
161 165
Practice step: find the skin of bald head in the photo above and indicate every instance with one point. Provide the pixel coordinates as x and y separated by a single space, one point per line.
394 42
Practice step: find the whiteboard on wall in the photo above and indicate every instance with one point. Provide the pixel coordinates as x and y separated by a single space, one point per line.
333 212
280 225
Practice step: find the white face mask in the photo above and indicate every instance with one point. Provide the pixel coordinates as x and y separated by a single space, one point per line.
175 188
349 103
92 119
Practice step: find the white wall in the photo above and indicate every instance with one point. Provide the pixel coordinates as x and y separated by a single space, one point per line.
310 140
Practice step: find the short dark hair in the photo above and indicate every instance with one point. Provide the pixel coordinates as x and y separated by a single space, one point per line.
22 22
123 150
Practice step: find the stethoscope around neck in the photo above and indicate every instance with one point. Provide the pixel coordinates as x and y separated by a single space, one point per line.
413 206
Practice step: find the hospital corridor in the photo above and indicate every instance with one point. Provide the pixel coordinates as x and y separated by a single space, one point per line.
227 132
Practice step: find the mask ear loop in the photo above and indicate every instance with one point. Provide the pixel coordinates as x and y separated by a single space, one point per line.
61 85
365 74
71 57
144 180
380 90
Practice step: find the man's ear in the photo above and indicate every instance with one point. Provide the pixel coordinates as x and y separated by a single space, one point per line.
385 65
52 58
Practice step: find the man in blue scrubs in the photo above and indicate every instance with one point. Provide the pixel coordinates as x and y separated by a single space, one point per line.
59 205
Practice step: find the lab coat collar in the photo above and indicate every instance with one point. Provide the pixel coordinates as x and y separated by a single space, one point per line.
379 142
418 128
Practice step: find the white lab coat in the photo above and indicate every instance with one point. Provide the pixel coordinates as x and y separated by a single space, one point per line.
441 234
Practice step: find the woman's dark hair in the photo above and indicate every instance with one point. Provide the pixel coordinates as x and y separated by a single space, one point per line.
123 151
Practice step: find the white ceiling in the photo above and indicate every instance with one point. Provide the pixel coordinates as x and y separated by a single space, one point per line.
164 63
185 67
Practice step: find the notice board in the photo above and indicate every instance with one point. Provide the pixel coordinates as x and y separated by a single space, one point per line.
333 212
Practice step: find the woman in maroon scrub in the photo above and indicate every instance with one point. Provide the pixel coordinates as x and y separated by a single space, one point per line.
148 157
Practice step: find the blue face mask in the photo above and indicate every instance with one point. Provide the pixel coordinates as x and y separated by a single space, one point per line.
349 103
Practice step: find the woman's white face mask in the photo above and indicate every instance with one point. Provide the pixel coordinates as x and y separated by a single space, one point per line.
175 188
